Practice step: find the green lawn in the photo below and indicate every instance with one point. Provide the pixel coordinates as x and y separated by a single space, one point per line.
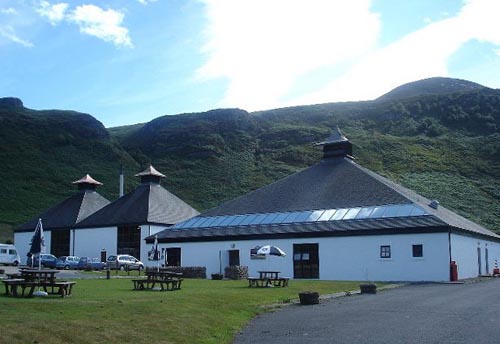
109 311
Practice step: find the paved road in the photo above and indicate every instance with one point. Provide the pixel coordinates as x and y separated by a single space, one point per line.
428 313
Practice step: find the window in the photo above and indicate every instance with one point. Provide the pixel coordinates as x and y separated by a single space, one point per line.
174 256
385 251
418 250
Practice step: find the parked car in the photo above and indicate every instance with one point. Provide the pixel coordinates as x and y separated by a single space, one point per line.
9 255
46 261
87 263
67 262
124 262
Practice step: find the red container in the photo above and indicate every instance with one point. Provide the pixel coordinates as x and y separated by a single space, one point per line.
453 271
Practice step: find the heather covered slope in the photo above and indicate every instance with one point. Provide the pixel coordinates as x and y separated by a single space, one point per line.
444 145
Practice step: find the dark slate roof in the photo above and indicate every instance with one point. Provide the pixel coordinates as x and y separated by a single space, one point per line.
333 183
149 203
69 212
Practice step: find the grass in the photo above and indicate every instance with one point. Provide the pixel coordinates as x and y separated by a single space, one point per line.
109 311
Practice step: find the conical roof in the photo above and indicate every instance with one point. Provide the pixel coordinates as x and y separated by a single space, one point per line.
87 179
149 203
69 212
150 171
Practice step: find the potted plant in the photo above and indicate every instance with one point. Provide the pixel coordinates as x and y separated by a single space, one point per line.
368 288
309 297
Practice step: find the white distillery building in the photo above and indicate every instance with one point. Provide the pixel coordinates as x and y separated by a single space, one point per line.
119 227
336 221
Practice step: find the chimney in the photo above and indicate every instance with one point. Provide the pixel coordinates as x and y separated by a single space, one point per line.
122 183
336 145
150 176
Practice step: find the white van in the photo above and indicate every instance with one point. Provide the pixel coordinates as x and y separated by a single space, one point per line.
9 255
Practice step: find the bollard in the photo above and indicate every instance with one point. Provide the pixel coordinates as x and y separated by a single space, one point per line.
108 273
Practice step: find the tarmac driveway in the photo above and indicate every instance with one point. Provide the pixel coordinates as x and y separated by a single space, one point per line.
424 313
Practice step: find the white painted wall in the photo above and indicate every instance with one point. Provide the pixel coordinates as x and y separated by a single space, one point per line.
464 252
340 258
89 242
22 242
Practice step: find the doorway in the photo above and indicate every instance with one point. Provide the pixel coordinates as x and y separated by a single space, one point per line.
305 261
479 263
234 257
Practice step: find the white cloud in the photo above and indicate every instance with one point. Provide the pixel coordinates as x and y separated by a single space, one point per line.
146 2
263 48
91 20
55 13
9 33
104 24
9 10
419 55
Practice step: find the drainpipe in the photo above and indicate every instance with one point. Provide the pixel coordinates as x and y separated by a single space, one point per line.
449 252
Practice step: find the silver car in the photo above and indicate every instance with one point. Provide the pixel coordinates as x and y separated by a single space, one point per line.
124 262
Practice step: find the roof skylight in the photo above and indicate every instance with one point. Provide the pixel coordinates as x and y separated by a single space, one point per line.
306 216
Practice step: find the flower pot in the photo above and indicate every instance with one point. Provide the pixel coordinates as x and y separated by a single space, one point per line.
368 288
217 276
309 297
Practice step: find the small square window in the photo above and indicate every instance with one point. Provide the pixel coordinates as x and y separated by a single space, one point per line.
385 251
418 250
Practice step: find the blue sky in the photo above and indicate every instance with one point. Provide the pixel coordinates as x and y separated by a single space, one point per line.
129 61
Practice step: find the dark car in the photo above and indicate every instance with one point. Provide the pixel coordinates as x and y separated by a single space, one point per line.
67 262
47 260
87 263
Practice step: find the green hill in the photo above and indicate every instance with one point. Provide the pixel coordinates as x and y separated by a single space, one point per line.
42 152
444 145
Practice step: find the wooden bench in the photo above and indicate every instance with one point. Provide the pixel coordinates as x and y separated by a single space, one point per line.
12 287
166 284
268 282
62 288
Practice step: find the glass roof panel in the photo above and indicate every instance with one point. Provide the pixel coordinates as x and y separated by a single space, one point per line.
279 218
210 221
327 215
351 213
291 217
417 211
405 210
315 216
258 219
303 216
391 211
217 222
269 218
364 213
377 212
203 223
228 219
339 214
236 220
197 221
248 218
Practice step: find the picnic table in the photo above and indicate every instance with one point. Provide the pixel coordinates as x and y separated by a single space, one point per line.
24 283
164 280
268 279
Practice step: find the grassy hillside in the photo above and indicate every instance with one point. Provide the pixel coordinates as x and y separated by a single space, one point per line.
42 152
445 146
